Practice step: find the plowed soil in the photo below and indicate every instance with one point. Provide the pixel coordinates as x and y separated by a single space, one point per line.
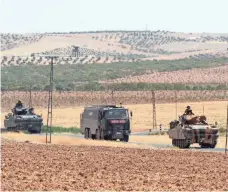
27 166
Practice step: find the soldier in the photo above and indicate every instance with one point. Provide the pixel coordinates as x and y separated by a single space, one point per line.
19 104
188 111
31 111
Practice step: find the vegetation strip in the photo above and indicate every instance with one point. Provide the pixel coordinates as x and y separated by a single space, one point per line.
85 77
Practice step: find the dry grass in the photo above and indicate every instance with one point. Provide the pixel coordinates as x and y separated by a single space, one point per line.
142 114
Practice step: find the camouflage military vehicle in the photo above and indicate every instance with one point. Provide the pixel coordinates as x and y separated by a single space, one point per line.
23 118
107 122
189 130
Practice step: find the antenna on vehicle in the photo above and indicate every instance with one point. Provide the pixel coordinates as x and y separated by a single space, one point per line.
203 108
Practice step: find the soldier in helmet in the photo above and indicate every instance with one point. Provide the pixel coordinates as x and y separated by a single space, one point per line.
188 111
19 104
31 111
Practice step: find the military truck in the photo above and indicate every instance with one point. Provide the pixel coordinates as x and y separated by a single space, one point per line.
105 122
189 130
23 118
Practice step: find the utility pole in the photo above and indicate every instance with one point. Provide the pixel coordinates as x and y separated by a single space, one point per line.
49 115
154 109
30 97
113 97
176 103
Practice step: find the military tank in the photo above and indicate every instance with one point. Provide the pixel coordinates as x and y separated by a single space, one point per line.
23 119
189 130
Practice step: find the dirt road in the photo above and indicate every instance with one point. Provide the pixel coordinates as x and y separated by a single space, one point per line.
27 166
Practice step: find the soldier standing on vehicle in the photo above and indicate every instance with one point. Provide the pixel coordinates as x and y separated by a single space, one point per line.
19 104
188 111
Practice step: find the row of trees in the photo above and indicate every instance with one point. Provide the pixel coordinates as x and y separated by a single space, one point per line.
94 86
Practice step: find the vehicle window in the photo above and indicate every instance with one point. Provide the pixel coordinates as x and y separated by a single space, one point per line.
116 113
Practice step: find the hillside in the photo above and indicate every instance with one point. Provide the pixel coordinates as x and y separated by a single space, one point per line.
109 47
112 59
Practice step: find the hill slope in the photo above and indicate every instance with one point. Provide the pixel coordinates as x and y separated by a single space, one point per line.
106 47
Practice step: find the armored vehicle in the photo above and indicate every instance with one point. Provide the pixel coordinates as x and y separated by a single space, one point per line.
23 118
106 122
189 130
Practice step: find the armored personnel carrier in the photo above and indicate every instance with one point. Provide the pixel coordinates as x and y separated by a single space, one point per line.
193 129
23 118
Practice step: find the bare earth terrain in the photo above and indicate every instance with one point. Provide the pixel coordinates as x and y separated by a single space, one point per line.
41 167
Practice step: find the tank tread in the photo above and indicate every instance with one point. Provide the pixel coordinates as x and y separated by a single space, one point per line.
181 143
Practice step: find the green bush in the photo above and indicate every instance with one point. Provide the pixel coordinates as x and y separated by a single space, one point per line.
62 129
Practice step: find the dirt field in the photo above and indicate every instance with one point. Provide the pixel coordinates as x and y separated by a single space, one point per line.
142 114
27 166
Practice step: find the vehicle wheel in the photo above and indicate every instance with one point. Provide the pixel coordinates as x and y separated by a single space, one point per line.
214 145
102 134
30 132
86 134
89 134
37 132
98 134
125 138
107 137
205 146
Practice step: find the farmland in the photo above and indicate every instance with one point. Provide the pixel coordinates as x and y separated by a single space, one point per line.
114 67
69 167
217 75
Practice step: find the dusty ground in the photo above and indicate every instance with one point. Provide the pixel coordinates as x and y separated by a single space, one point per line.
142 114
66 140
27 166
